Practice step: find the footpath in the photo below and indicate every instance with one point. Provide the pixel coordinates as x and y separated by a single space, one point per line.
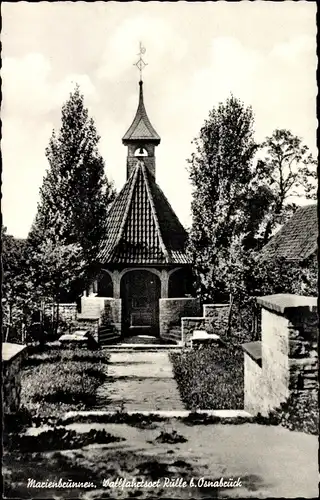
139 381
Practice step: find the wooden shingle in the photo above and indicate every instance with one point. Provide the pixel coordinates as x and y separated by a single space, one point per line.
141 128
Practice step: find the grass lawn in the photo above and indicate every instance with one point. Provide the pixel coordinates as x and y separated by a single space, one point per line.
210 378
58 380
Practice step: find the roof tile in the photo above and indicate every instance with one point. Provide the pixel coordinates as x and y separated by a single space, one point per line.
142 227
297 239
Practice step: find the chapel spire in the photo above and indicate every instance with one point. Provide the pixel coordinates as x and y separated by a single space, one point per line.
141 138
141 128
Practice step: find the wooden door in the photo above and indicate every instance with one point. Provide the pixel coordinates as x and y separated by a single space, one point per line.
140 293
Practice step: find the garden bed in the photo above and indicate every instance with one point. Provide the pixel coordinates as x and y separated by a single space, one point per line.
59 380
210 378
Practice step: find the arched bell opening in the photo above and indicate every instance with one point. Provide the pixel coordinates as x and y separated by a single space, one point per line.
140 291
141 152
181 284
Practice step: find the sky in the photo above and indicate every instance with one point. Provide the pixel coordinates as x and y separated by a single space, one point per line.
197 54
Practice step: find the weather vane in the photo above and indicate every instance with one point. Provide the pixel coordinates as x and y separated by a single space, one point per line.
140 63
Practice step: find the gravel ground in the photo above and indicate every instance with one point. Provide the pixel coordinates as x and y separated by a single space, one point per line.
270 462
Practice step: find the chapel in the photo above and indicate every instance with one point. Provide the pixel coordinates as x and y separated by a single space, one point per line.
144 284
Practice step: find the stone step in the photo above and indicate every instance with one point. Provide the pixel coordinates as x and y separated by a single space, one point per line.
90 415
142 347
142 339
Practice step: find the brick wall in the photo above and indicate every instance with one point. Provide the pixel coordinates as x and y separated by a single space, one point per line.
12 357
170 313
150 163
289 354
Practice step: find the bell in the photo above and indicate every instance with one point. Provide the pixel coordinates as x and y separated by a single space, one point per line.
141 151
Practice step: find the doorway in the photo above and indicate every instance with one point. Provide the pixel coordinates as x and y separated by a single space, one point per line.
140 294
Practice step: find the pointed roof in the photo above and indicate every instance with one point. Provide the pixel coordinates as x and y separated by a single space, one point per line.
142 227
297 239
141 128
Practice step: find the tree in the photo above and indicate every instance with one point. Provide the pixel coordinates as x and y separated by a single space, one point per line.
75 194
55 268
289 169
228 203
17 294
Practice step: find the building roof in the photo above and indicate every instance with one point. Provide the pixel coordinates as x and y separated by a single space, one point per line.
142 227
141 128
297 239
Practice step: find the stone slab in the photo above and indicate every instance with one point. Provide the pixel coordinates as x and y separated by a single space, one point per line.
10 351
160 413
139 381
284 302
143 394
142 347
254 350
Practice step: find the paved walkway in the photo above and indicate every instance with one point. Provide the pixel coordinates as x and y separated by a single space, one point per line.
139 381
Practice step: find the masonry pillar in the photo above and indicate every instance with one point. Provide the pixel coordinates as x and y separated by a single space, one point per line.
289 356
116 284
164 284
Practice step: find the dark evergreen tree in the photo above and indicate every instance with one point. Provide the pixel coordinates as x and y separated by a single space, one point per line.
76 193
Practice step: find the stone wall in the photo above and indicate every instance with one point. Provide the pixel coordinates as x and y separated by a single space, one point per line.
90 324
214 320
171 312
67 312
289 356
92 306
100 312
112 314
189 324
67 315
12 357
253 396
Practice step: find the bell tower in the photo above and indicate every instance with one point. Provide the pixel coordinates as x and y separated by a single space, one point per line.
141 138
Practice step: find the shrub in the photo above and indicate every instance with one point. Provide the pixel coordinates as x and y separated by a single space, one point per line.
21 420
170 437
59 438
299 414
210 378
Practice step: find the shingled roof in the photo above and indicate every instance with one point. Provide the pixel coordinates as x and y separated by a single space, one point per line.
297 239
141 128
141 227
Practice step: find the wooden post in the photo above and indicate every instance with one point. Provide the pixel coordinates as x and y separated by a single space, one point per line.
230 314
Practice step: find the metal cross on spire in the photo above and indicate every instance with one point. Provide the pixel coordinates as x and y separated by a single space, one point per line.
140 63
